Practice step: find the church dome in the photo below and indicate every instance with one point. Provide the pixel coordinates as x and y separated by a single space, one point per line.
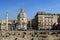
22 14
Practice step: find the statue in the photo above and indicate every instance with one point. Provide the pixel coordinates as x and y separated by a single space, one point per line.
56 27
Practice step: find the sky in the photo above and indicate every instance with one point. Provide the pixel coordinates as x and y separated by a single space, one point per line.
31 7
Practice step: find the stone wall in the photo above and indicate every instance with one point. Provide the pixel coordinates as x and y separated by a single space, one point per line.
27 35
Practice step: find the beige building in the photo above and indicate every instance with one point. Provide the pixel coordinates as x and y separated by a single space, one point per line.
45 20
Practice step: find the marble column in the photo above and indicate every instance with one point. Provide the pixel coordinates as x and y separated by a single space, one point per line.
6 21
